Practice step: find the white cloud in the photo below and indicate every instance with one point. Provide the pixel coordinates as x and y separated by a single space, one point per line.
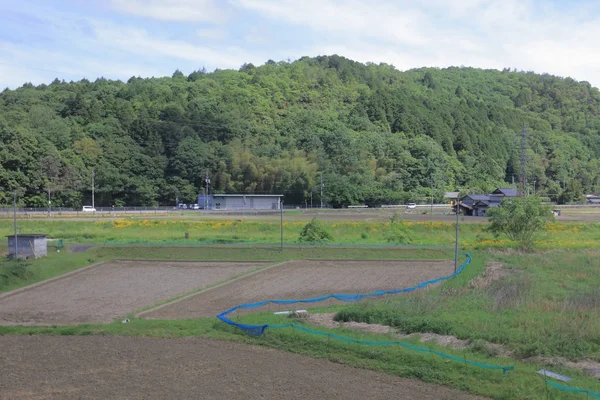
211 33
42 66
525 34
351 18
173 10
139 41
13 75
479 33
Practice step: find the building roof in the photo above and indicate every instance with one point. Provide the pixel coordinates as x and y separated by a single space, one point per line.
508 192
487 203
452 195
478 197
29 235
247 195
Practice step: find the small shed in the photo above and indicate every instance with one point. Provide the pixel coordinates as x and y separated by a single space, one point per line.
27 245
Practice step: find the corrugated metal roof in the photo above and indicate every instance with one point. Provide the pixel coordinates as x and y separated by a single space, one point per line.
247 195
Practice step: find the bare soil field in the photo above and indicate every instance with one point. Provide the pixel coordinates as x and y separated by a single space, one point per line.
304 279
107 291
98 367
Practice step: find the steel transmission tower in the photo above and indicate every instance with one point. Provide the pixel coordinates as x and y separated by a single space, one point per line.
523 170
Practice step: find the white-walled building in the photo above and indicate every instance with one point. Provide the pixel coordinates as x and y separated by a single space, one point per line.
246 201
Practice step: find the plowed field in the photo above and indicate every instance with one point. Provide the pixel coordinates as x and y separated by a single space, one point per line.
304 279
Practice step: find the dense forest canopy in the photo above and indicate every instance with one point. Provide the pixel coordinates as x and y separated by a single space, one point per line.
376 134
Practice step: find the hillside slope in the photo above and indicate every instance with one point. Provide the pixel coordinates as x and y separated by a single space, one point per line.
377 134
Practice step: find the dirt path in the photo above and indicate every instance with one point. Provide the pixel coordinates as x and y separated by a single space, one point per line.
97 367
305 279
111 290
79 248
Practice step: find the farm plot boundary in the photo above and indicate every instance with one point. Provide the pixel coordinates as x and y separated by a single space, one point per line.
105 291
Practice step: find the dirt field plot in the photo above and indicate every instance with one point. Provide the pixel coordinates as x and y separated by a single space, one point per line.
96 367
303 279
111 290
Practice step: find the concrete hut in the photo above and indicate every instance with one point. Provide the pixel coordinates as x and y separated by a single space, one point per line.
27 246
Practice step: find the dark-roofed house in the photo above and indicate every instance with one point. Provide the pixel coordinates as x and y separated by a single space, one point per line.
504 192
478 204
481 207
468 202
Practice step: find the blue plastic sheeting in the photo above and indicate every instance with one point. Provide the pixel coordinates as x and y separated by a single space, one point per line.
257 330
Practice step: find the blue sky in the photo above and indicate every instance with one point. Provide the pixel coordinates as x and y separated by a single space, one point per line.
41 40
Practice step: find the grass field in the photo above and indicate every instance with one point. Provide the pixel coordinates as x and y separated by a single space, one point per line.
546 303
167 231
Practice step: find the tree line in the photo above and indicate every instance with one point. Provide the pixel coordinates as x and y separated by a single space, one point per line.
377 135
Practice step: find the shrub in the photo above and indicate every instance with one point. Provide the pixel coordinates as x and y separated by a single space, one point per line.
398 231
520 219
314 232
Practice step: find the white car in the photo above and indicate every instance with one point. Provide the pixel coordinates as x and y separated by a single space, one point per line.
195 206
88 209
411 205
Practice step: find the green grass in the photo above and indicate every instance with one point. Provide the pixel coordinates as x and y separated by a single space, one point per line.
14 275
548 307
171 231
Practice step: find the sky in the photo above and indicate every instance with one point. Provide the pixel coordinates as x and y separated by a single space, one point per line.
41 40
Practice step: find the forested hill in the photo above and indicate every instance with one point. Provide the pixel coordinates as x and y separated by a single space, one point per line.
376 134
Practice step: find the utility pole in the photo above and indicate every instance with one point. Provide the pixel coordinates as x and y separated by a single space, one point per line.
322 190
431 176
523 171
93 177
456 242
16 254
207 184
281 222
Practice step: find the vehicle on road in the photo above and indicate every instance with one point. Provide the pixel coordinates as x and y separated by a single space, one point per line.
88 209
411 205
195 206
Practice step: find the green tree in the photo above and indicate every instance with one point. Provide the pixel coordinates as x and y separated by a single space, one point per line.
376 133
519 219
572 193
